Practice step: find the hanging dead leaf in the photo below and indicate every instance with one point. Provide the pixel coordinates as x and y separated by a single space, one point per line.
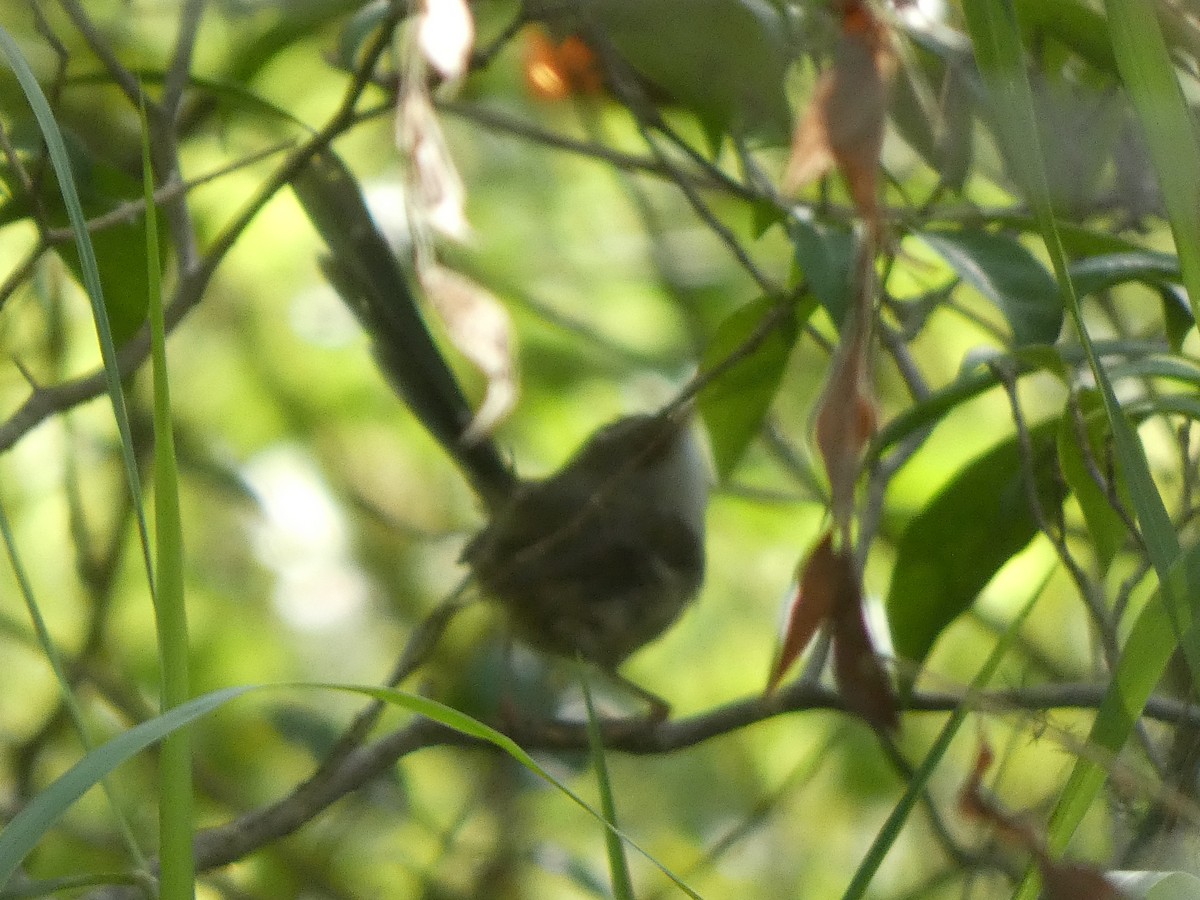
807 608
446 34
860 676
844 121
555 70
436 196
845 417
480 329
1061 879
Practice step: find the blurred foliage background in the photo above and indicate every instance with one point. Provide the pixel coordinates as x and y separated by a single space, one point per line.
627 241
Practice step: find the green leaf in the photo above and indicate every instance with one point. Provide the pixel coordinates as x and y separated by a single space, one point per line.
733 405
825 254
1170 130
1098 273
1005 272
1107 529
725 60
27 827
1144 658
954 546
121 250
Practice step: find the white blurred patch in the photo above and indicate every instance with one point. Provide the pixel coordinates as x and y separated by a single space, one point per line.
319 316
302 537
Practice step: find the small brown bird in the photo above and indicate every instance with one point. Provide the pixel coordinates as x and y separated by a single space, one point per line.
603 556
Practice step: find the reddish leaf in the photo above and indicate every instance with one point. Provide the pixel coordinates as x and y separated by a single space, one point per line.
1061 879
808 608
845 417
844 121
860 676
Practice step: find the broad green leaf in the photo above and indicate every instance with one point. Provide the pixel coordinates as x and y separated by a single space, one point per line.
725 60
825 255
734 404
1107 529
953 547
1005 272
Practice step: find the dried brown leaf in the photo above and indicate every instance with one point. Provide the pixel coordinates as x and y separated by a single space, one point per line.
436 195
861 678
446 34
844 121
480 329
808 607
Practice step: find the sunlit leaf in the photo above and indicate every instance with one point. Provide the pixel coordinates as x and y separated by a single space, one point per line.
953 547
844 120
825 255
733 406
725 59
807 608
1005 272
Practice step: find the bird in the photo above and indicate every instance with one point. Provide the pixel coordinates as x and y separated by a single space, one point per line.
594 561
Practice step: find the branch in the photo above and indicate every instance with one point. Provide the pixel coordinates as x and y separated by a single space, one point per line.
237 839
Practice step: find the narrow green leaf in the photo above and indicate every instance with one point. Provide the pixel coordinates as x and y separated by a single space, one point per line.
996 38
91 277
24 830
734 405
957 543
1153 85
618 865
1098 273
1150 646
1006 273
919 779
177 879
27 827
1105 526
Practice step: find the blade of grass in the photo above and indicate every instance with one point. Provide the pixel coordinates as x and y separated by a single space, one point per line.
70 703
1144 63
891 828
618 865
996 36
91 276
24 831
177 879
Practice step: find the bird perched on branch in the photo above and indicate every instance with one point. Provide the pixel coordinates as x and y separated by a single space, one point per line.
596 560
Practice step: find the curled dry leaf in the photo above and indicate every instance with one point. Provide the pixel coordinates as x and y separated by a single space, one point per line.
436 196
807 607
829 591
844 121
555 70
446 34
845 417
860 676
480 328
1061 879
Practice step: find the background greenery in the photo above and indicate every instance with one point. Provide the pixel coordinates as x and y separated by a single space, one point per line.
321 524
